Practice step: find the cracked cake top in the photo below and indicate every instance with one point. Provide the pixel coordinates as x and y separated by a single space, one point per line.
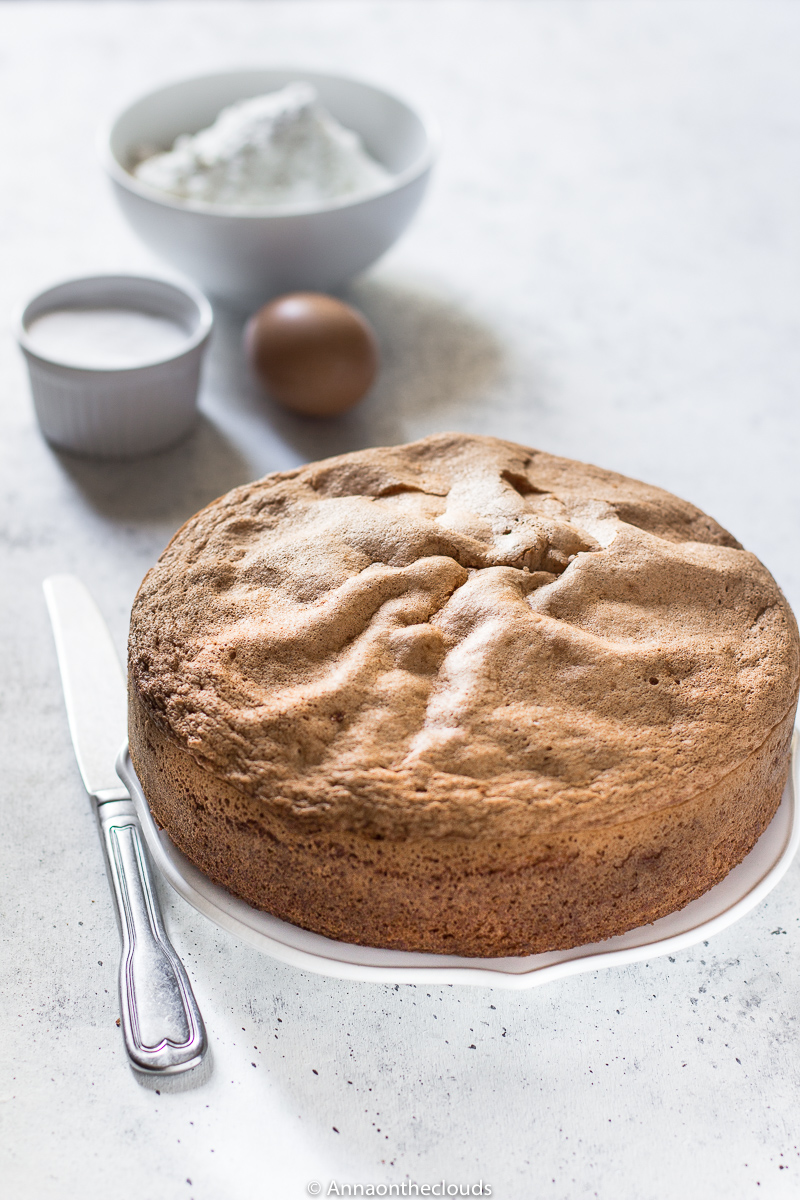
461 636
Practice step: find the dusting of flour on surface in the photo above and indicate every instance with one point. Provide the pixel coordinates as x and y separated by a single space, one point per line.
277 150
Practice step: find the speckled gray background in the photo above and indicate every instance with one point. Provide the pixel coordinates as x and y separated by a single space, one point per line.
606 267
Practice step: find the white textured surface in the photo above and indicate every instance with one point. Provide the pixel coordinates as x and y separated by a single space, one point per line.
607 267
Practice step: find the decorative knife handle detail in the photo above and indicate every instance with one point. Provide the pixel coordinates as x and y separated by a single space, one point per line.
161 1022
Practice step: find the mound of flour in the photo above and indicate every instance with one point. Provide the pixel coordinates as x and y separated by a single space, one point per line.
282 149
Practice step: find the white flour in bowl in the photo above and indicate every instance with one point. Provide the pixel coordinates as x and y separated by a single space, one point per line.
279 150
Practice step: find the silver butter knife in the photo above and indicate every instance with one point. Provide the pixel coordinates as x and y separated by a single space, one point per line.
161 1022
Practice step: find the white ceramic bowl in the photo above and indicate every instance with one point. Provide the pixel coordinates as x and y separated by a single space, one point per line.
126 411
247 256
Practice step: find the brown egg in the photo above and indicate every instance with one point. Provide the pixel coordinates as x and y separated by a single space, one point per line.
315 355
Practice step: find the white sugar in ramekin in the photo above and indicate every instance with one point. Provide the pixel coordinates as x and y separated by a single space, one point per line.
127 411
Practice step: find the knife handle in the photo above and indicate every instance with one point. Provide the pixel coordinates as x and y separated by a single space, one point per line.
161 1022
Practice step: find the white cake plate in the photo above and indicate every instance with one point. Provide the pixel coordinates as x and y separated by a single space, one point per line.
744 888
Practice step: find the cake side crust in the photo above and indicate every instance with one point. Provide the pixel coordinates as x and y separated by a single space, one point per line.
476 897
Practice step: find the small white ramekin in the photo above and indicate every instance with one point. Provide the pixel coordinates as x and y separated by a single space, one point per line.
118 412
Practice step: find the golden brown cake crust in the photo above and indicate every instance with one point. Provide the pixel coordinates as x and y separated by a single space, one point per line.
467 652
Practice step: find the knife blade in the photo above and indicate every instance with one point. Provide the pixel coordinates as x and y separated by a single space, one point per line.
160 1018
